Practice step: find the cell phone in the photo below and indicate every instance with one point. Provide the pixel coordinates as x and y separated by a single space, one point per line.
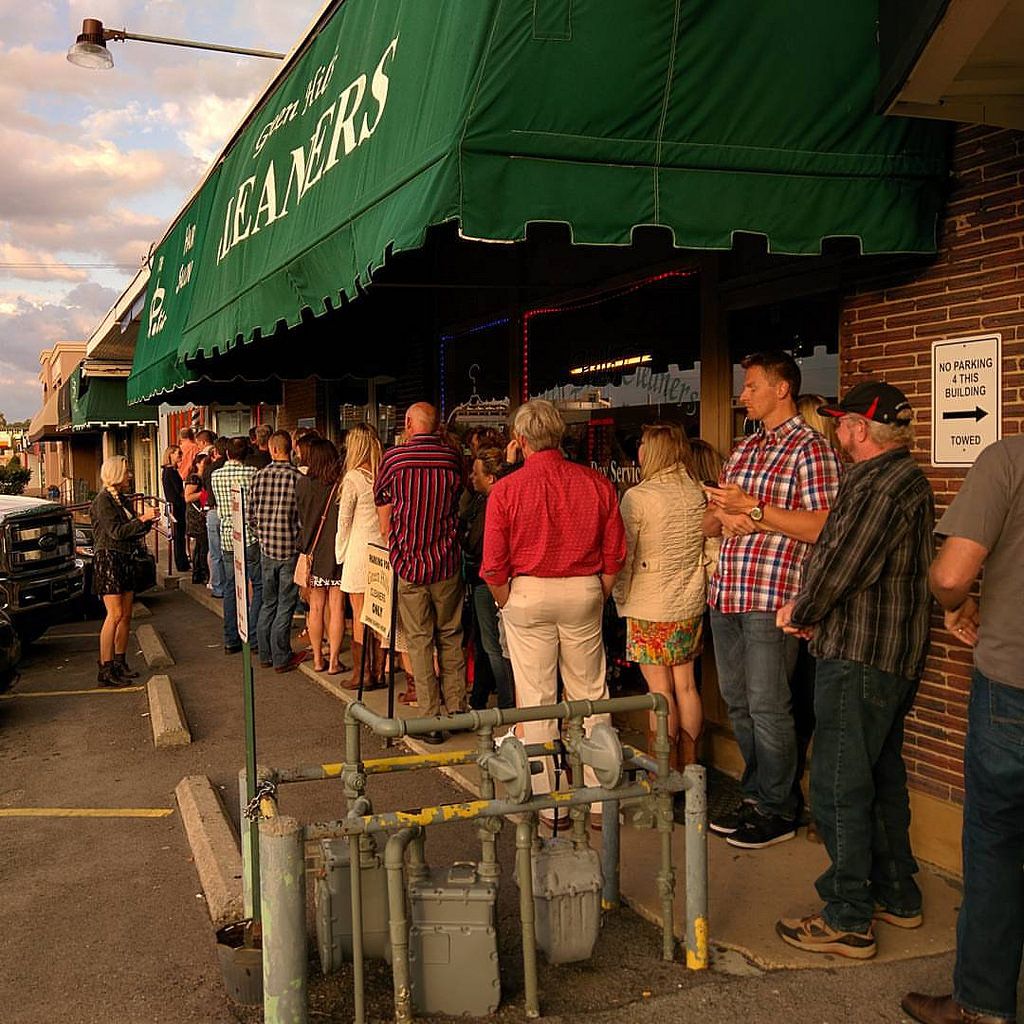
710 483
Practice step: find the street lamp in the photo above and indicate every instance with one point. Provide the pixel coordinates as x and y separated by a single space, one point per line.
90 51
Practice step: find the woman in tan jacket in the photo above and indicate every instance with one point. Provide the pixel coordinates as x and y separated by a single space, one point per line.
661 589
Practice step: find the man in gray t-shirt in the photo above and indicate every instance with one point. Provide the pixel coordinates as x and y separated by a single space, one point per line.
984 526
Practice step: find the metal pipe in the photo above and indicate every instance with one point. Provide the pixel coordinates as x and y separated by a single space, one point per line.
610 854
466 721
446 813
489 827
283 900
121 35
573 735
394 858
355 874
243 831
524 866
401 763
696 868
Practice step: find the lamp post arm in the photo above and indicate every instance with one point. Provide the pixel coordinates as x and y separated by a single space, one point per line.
122 34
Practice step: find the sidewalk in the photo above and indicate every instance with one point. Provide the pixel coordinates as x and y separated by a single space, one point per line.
749 890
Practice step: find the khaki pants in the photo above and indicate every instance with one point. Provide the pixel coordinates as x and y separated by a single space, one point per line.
430 610
552 626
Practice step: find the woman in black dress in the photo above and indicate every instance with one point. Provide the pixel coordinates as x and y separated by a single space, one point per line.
196 500
117 532
174 495
316 494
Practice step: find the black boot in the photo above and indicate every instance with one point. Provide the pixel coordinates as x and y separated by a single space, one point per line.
122 668
108 677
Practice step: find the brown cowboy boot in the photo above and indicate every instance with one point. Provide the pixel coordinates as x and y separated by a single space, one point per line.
351 682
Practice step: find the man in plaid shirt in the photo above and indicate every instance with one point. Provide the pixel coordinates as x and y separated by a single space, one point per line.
274 514
234 474
771 504
865 606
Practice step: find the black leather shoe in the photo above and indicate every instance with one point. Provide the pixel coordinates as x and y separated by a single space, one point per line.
945 1010
232 648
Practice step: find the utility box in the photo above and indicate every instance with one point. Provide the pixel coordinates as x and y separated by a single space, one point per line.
567 887
453 944
333 902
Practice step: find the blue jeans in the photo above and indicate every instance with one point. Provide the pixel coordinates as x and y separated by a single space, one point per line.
485 612
280 595
252 568
755 660
216 554
990 929
859 793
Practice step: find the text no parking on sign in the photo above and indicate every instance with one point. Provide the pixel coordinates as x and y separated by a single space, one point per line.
966 401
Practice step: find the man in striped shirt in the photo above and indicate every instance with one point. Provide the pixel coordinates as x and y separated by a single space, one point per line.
865 606
772 502
417 494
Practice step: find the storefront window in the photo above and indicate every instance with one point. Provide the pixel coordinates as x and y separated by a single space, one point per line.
614 361
808 329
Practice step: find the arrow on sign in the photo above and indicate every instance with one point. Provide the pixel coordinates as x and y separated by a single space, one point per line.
977 413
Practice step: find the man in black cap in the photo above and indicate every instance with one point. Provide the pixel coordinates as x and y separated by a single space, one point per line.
864 604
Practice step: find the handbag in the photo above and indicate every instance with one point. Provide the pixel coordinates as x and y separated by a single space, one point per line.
304 563
195 520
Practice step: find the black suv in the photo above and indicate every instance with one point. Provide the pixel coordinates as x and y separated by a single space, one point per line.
40 576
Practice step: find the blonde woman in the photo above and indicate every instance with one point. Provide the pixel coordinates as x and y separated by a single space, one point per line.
358 525
117 532
661 588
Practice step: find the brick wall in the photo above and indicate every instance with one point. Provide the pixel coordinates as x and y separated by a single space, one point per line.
298 401
975 286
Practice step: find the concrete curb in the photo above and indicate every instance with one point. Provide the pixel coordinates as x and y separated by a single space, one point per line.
141 611
153 648
215 848
170 729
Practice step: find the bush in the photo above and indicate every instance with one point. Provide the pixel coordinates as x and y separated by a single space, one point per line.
14 477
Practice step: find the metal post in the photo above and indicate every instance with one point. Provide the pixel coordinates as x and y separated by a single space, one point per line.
394 855
524 866
696 868
245 831
250 835
663 804
356 888
283 885
610 854
391 649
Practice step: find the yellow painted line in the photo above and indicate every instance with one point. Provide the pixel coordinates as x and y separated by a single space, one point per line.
63 636
85 812
71 693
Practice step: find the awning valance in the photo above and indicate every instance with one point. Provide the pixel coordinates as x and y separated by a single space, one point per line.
95 403
706 119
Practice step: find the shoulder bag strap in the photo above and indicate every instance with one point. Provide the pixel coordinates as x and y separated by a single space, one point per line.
323 519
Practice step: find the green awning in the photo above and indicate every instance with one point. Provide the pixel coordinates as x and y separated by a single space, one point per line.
704 118
96 403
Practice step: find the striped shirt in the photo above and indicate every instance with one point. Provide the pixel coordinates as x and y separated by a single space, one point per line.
791 467
865 586
422 480
231 474
274 511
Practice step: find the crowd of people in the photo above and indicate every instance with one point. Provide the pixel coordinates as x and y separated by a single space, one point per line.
807 554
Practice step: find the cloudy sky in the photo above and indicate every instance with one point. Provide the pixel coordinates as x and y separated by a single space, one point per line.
96 163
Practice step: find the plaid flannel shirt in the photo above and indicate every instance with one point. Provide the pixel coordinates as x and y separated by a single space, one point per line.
273 510
791 467
233 474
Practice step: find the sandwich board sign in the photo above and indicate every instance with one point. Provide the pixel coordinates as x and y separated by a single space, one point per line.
966 399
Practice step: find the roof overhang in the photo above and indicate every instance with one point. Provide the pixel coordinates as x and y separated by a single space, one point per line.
954 60
43 426
114 339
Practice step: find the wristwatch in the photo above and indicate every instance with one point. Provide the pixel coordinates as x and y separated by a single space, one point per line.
757 512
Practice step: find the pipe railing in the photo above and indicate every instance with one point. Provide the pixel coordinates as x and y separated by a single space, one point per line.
285 989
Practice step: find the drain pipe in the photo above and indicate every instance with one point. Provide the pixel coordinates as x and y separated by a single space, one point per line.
663 803
524 866
283 897
394 858
610 854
